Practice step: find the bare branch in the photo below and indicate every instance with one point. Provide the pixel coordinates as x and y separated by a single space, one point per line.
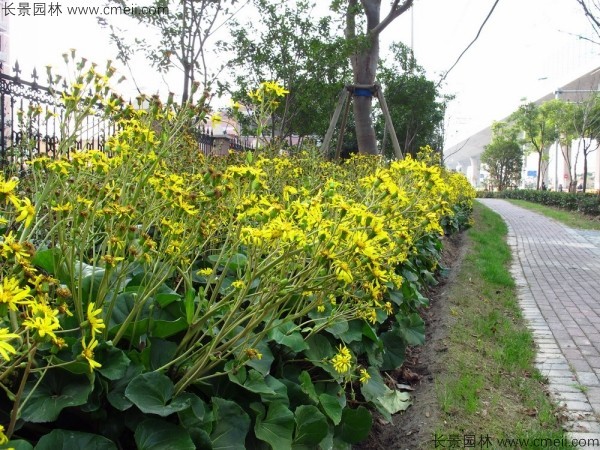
396 11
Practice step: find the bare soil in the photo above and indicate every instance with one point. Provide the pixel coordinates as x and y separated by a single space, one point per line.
413 429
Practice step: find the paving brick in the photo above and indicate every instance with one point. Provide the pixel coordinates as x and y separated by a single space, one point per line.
561 307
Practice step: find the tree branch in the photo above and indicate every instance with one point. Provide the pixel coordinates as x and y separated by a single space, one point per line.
396 11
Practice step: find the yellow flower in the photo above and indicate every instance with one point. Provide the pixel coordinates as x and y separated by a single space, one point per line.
96 324
342 361
252 353
364 376
216 118
88 353
238 284
26 212
111 261
42 318
206 272
5 347
65 207
11 294
389 309
7 189
342 271
3 437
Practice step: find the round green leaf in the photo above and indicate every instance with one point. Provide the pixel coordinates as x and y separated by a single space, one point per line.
152 393
277 427
58 390
231 425
17 445
355 426
73 440
311 425
394 350
114 364
332 407
156 434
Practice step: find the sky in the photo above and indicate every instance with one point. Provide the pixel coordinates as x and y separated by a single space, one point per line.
527 49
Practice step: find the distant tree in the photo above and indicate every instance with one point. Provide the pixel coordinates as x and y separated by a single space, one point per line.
291 46
562 116
538 130
503 156
415 104
586 122
365 56
184 28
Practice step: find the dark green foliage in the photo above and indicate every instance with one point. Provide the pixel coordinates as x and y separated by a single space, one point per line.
584 203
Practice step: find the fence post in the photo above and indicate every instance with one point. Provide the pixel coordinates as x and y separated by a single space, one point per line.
220 146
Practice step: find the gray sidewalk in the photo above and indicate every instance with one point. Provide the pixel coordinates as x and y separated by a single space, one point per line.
557 272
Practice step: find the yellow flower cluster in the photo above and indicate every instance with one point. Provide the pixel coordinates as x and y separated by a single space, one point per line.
268 90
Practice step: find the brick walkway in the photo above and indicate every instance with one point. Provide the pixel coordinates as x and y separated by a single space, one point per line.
557 272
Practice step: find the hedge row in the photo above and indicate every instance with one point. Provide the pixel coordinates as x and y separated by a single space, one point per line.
588 204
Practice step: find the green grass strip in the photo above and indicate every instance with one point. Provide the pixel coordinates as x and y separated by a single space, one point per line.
572 219
489 388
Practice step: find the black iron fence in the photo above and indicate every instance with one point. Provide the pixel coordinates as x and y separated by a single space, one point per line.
32 123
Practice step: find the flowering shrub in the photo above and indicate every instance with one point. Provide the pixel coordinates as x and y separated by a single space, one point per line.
220 303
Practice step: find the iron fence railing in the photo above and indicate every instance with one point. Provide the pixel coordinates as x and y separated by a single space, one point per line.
32 120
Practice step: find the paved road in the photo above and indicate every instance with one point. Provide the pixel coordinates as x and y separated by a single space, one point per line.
557 271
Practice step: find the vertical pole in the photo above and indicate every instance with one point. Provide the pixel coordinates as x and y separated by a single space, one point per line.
338 149
388 122
336 115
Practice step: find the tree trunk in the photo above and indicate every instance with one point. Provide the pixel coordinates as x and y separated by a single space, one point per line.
539 174
585 169
364 66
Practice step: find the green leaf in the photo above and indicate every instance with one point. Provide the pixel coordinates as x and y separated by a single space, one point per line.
251 380
375 388
394 349
73 440
263 365
156 434
280 393
287 334
395 401
353 333
338 328
189 305
411 328
332 407
237 261
161 352
114 363
152 393
164 299
231 425
369 332
116 393
319 352
49 261
277 427
355 426
194 415
396 296
58 390
307 386
311 425
19 444
151 319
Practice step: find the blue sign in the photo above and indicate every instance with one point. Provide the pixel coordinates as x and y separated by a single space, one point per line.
532 173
